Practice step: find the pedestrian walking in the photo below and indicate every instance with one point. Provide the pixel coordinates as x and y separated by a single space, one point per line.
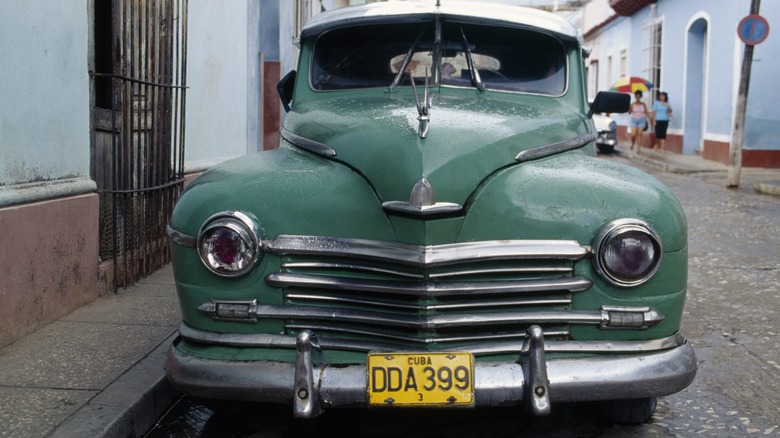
661 115
638 121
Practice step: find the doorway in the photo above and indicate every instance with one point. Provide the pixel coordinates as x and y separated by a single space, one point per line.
695 82
138 71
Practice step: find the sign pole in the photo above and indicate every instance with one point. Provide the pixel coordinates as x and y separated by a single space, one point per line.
738 134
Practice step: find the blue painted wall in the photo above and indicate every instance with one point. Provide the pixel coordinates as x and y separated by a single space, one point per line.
701 61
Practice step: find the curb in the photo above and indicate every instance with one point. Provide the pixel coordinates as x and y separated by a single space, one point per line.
661 165
130 405
767 188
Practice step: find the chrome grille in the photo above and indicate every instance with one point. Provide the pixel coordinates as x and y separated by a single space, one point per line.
427 295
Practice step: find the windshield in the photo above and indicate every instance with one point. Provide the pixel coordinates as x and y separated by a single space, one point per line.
467 55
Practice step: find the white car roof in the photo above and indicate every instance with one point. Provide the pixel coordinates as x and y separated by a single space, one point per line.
414 10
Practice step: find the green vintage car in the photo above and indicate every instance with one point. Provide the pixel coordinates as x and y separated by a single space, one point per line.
434 230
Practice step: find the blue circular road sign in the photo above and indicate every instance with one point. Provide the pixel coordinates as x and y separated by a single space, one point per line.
753 29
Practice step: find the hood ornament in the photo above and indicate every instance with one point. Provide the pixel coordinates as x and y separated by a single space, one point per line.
422 202
424 107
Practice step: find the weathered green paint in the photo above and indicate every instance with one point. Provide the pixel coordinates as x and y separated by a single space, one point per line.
288 191
571 196
568 197
376 133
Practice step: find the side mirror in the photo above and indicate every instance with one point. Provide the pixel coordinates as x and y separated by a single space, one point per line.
285 88
610 102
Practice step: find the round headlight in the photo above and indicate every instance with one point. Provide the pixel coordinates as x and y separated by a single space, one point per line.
229 243
627 252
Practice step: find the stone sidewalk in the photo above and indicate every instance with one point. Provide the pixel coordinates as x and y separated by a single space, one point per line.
97 371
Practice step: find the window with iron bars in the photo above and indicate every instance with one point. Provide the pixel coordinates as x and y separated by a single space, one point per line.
653 48
139 85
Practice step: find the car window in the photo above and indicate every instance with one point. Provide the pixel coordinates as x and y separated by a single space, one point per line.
360 57
503 58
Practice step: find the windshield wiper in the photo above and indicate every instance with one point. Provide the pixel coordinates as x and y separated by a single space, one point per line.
407 59
475 79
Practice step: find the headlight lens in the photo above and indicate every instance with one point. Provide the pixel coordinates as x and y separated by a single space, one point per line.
229 244
627 252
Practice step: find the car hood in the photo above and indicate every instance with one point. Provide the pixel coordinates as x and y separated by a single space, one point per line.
471 135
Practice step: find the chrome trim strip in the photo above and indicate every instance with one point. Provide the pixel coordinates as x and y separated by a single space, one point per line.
421 322
304 143
514 337
236 339
555 148
426 289
519 270
476 304
259 340
350 267
433 322
421 210
426 256
180 239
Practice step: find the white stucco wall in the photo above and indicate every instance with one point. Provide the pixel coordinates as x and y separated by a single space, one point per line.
613 40
44 100
218 90
288 51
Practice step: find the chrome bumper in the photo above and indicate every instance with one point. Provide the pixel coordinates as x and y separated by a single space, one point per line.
606 141
533 379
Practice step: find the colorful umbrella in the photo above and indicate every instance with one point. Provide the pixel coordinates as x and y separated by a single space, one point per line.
630 84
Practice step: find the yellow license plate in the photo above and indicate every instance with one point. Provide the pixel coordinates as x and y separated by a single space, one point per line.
420 379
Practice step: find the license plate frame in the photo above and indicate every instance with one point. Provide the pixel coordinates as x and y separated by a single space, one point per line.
440 379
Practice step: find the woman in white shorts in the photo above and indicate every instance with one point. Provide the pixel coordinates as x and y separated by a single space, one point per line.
638 121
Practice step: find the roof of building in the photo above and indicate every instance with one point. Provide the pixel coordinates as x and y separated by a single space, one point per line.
627 8
424 9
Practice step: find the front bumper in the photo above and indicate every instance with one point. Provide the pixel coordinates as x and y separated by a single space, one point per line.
534 380
607 139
